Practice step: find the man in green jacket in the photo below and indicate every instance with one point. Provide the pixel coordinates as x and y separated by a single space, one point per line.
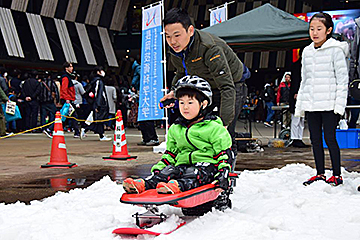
3 100
194 52
197 149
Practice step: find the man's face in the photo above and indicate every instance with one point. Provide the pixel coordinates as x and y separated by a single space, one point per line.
69 69
177 37
287 78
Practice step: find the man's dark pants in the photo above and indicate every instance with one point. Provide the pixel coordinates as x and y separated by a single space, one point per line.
241 94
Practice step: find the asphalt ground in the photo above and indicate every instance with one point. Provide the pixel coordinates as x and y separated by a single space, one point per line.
22 178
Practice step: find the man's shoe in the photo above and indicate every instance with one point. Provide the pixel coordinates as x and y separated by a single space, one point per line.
76 136
48 133
267 124
335 180
152 143
315 178
82 134
299 144
171 187
105 139
134 186
142 143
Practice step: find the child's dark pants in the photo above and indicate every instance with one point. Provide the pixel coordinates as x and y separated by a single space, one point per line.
328 121
188 177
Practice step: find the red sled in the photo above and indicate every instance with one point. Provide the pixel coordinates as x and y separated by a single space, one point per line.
195 202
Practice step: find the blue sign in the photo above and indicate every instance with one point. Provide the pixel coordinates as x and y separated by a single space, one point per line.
151 78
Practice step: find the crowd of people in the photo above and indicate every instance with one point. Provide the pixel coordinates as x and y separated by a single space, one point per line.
38 95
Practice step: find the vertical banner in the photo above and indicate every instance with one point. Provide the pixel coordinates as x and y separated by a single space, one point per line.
151 79
218 15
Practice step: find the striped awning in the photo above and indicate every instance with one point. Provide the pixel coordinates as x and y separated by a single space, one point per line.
85 43
109 51
10 35
65 40
40 38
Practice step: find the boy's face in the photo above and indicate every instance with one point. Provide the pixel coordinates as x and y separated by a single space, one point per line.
177 37
189 107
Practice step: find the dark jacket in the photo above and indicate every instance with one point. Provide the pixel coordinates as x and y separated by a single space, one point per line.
46 94
31 88
209 57
15 83
268 94
67 90
135 82
100 94
283 93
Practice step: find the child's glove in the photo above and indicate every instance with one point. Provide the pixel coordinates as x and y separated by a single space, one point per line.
223 178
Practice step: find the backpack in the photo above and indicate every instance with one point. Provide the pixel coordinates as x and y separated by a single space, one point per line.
354 89
89 94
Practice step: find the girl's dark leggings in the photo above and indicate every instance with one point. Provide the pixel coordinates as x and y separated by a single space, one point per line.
328 121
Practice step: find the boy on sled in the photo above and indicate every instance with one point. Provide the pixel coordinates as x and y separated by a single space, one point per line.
197 149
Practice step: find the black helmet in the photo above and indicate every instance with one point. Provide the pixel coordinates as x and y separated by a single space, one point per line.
196 83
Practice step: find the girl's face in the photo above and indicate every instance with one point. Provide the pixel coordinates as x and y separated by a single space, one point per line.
318 32
189 107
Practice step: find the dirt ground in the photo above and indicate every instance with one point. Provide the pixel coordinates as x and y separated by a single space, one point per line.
22 179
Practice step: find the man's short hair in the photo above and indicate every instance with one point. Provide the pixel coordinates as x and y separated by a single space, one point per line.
66 65
178 15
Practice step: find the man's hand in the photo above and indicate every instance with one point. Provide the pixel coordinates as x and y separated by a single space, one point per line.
67 101
28 99
295 96
168 96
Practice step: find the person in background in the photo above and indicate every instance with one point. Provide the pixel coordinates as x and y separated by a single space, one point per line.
3 100
85 107
16 83
282 98
11 126
112 99
48 96
79 91
268 95
30 92
100 106
3 81
297 123
67 93
323 68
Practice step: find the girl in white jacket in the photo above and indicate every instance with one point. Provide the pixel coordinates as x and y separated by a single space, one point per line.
323 93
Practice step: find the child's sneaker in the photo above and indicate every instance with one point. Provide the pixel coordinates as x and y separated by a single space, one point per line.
315 178
335 180
171 187
134 186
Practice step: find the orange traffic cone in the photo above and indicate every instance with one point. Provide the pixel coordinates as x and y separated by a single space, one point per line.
120 151
58 156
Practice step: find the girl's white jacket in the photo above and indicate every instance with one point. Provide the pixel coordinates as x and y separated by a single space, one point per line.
325 78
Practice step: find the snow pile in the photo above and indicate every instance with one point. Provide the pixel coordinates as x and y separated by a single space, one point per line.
267 204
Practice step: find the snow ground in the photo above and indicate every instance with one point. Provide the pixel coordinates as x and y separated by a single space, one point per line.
267 204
